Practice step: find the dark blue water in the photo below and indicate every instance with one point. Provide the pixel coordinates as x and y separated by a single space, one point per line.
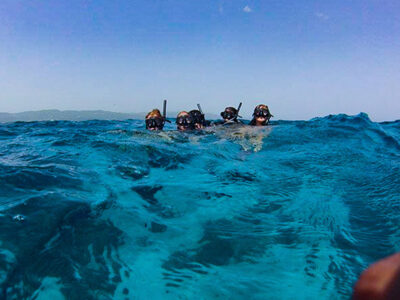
104 209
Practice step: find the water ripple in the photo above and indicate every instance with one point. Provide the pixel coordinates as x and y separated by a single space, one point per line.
104 209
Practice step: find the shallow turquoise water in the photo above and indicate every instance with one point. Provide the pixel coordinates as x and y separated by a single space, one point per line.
103 209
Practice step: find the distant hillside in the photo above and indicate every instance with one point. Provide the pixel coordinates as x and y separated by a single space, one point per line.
76 115
71 115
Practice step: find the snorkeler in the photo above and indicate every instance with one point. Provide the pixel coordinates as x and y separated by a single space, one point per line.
230 115
184 121
198 118
261 116
154 119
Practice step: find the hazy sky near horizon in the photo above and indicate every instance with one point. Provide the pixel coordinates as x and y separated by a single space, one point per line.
302 58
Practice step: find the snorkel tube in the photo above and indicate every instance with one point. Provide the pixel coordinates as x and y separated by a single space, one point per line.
200 110
238 109
165 112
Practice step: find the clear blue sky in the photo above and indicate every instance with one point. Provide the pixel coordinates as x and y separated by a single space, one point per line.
302 58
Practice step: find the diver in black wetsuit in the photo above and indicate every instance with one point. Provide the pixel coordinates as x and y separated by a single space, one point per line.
198 118
184 121
154 120
261 116
230 115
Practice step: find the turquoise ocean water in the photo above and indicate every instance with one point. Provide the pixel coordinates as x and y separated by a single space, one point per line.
106 210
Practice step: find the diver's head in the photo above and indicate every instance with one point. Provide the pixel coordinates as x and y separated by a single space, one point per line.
184 121
230 114
154 120
198 118
261 115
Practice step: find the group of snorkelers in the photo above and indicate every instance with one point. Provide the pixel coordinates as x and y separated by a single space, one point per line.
195 119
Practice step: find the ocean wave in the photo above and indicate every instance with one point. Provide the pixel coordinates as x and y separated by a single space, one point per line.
105 209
